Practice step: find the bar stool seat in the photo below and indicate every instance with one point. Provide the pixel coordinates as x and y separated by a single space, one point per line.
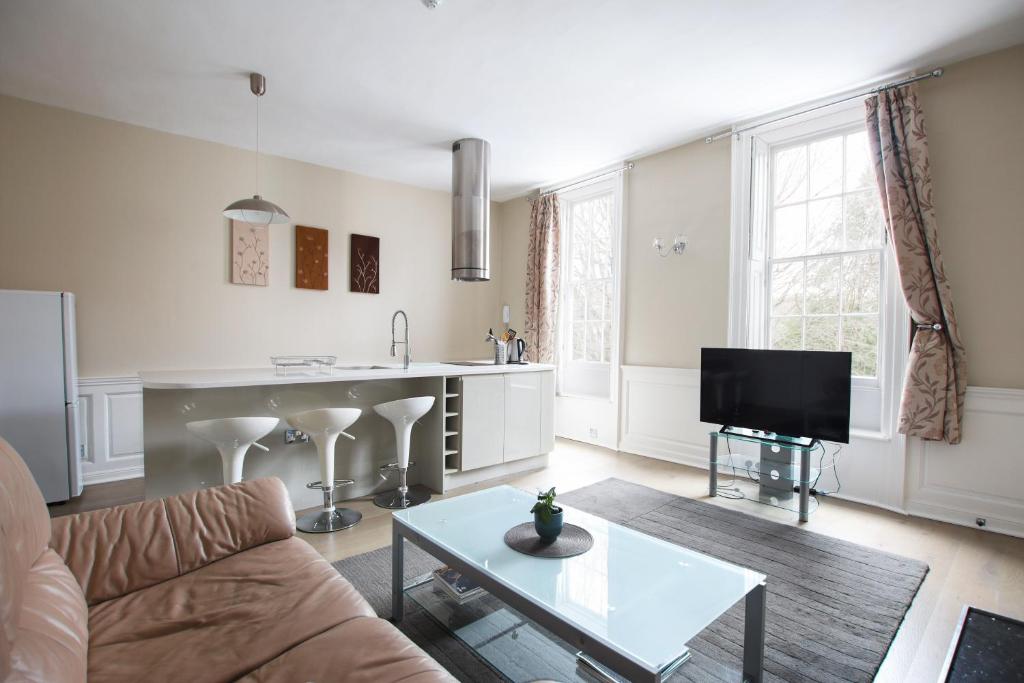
325 425
403 415
232 436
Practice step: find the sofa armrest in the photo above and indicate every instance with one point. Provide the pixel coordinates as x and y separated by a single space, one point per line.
125 548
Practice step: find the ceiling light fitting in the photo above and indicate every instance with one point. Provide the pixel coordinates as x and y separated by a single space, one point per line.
257 211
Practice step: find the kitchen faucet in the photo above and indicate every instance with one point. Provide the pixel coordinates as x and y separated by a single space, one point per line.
406 357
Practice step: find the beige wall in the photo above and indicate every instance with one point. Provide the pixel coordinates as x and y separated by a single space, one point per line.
515 214
974 117
130 220
678 304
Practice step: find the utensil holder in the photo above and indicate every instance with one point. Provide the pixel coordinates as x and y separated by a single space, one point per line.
500 352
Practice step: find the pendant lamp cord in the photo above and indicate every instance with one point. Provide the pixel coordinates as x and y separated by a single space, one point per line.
257 144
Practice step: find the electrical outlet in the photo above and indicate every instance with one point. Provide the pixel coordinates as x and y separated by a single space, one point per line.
293 435
593 432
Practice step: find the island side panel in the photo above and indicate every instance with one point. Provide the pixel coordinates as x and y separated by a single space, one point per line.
176 461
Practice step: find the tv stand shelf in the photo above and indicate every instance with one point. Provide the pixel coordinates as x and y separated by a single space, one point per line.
781 475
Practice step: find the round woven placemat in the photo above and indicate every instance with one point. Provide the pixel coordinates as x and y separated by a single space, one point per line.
572 541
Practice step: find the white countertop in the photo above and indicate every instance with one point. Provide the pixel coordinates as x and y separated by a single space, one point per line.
343 372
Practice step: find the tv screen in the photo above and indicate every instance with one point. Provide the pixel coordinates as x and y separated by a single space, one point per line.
791 393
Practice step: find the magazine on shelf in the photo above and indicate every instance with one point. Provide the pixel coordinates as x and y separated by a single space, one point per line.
455 585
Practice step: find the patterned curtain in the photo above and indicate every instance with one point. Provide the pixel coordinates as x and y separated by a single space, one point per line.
933 391
542 279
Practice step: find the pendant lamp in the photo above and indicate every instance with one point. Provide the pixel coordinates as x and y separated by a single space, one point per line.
257 211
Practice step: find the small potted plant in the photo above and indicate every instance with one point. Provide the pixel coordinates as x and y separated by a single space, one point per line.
547 517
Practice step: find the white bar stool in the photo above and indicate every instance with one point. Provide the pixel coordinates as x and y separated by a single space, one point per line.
232 436
325 425
402 414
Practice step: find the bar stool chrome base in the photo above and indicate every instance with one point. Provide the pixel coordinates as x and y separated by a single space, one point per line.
322 521
328 518
395 500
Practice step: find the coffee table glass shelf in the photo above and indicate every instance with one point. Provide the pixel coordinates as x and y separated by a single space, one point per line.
625 610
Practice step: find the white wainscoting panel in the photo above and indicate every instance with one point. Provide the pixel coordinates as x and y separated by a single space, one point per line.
660 409
110 410
983 475
659 415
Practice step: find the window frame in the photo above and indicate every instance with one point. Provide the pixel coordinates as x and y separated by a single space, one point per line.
805 139
614 187
877 398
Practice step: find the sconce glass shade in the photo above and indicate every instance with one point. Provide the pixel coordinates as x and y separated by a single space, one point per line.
256 211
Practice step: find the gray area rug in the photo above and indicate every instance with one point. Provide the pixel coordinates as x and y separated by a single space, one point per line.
833 607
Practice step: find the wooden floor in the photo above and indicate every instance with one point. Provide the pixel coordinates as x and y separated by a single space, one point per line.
968 566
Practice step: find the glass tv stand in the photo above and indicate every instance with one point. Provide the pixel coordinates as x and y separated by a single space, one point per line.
780 476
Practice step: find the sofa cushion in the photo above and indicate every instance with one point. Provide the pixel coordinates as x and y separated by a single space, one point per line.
125 548
52 640
363 650
24 534
222 621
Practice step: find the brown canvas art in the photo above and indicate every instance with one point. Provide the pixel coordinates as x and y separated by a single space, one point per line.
310 257
250 254
364 266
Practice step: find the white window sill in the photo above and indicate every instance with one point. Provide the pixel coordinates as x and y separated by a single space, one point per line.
868 435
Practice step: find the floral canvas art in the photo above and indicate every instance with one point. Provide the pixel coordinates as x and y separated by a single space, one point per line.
310 258
250 254
364 269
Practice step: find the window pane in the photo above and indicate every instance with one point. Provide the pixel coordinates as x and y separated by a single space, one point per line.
790 224
787 288
577 341
825 226
821 290
607 332
790 175
864 223
594 343
822 334
826 167
787 334
579 259
595 301
860 336
608 299
579 303
859 169
861 283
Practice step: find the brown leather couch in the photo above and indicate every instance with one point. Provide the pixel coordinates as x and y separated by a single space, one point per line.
206 586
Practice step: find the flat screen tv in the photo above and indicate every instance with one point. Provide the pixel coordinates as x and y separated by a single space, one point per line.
790 393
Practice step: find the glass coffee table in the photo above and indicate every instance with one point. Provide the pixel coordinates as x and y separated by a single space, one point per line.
629 605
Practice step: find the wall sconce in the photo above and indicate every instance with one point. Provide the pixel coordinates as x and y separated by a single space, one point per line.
678 246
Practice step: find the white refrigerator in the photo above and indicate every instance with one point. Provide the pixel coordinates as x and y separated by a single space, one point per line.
39 388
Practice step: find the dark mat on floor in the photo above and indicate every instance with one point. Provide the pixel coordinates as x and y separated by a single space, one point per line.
990 648
833 607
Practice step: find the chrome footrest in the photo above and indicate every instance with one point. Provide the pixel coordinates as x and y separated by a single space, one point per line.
337 482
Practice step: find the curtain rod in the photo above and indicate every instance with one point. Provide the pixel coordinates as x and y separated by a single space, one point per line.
592 178
934 73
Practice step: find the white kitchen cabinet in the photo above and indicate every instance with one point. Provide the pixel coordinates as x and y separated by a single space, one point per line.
483 421
529 429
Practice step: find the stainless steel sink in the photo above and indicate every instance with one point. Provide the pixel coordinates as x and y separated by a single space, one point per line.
362 367
468 362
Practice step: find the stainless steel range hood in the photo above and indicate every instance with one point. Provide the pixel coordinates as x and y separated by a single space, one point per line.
471 210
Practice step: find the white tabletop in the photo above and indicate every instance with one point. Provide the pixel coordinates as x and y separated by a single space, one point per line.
639 595
343 372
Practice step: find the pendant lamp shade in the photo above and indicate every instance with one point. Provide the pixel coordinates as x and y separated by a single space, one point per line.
256 211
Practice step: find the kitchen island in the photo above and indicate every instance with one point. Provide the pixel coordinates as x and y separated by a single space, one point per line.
487 420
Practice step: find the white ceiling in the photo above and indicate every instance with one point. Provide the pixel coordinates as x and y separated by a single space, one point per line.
559 88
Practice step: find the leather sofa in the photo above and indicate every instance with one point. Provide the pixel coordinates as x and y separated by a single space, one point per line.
206 586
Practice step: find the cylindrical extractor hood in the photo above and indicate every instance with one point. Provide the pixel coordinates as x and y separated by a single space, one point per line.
471 210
